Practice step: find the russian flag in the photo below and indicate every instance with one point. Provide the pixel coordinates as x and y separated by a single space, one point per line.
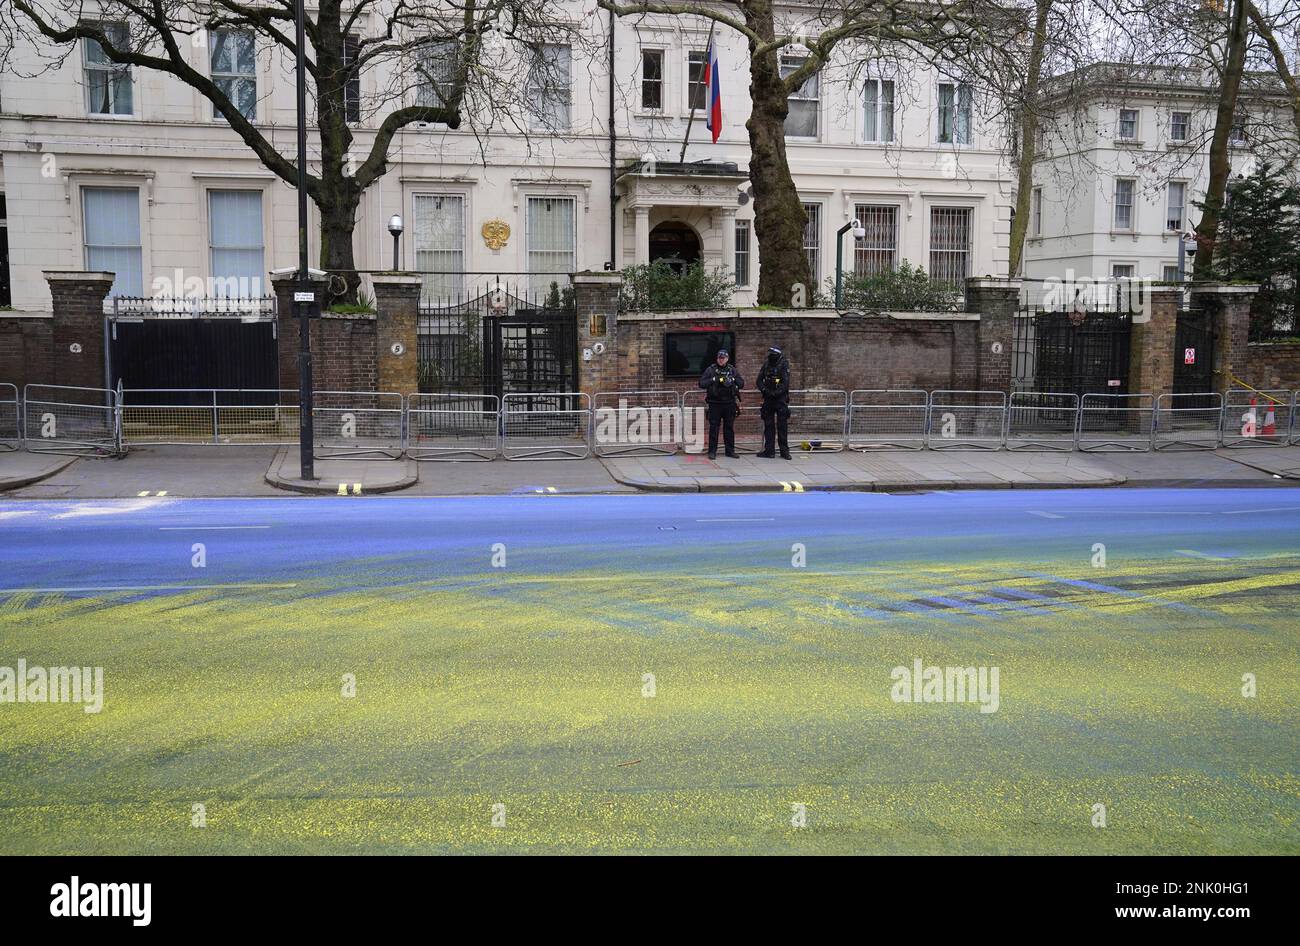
712 93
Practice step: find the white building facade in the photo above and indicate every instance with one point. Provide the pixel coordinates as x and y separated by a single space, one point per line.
130 171
1122 169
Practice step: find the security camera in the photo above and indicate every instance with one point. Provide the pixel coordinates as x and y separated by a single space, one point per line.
859 231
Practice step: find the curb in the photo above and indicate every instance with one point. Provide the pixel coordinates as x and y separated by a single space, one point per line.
18 482
875 486
328 487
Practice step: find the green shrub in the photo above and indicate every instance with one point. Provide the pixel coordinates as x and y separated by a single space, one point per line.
657 286
905 289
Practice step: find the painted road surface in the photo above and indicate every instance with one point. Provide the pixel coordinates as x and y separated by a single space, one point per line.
657 673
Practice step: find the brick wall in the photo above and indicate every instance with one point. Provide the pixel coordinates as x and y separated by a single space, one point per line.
26 349
397 297
1229 308
77 335
343 347
1273 365
1151 346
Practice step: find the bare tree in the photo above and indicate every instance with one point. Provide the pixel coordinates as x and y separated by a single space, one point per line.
438 61
951 30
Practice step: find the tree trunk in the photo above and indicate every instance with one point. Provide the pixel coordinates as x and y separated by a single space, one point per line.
339 197
1220 167
779 217
1028 139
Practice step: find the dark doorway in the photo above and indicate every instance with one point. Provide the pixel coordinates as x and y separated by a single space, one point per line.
1194 353
5 297
193 353
675 243
1071 352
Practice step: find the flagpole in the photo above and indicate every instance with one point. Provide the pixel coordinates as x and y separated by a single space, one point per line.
691 118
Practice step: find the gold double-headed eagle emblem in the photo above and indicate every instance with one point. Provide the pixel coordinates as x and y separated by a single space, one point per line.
495 234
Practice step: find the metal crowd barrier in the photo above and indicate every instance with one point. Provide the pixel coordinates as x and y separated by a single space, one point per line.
817 419
748 425
62 419
1041 420
1115 422
358 425
972 420
546 426
638 423
453 426
244 416
887 419
1257 418
11 428
1187 421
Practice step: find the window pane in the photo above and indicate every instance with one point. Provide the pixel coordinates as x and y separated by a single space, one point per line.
812 241
877 251
435 73
440 243
111 223
950 232
550 240
695 78
548 88
742 252
235 235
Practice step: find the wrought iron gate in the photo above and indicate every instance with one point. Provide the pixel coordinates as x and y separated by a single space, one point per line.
1071 352
498 344
1194 352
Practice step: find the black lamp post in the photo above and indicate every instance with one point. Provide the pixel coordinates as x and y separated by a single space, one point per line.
858 233
303 298
395 228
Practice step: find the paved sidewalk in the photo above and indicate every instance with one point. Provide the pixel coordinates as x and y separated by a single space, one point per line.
250 471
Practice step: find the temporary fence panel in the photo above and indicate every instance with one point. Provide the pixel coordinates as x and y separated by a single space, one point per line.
357 425
818 418
1257 418
1295 427
209 416
11 434
453 426
1115 422
748 425
971 420
546 426
639 423
1188 421
887 419
1040 420
61 419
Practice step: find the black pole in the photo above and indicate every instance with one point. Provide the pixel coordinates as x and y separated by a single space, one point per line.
302 299
839 263
397 264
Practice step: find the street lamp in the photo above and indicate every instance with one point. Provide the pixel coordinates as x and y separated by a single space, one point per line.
859 231
395 228
304 299
1183 239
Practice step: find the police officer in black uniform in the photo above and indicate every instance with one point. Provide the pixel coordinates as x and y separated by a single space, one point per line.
722 383
774 385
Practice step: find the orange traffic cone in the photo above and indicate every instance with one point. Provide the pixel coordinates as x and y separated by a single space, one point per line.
1270 422
1249 421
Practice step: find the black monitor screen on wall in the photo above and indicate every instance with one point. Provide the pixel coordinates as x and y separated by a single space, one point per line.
687 354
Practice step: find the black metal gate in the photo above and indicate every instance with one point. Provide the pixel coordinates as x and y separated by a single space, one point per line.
1194 352
498 344
1071 352
190 353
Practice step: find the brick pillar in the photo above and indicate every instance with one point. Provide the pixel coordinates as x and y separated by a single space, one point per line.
1229 308
996 301
284 283
1151 346
397 299
78 331
595 297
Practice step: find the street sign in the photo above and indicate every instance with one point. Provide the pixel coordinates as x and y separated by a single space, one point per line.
304 297
1189 356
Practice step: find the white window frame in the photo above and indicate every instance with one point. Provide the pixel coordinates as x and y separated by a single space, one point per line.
867 258
792 62
1239 133
963 107
744 247
540 92
139 245
1131 224
233 77
965 254
662 81
441 51
527 241
1182 206
1165 272
876 116
691 84
208 193
1137 125
1036 212
812 240
108 26
1131 266
1187 125
451 283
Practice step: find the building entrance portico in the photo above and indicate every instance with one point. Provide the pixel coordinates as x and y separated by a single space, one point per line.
683 212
